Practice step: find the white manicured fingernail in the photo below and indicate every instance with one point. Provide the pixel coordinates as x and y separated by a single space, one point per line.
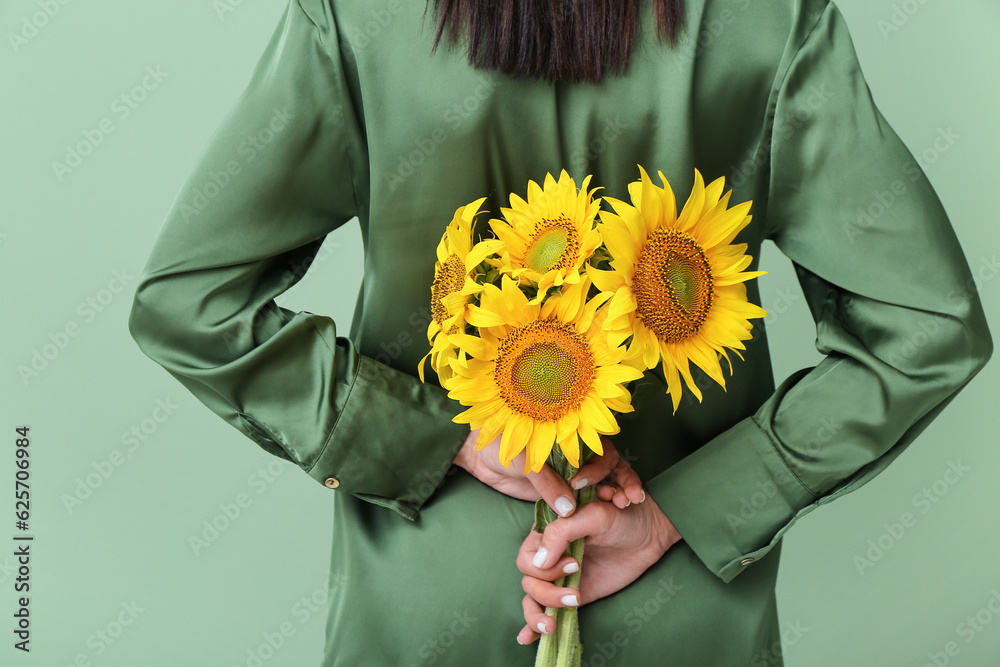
580 483
518 638
564 505
540 557
571 567
643 497
541 628
569 600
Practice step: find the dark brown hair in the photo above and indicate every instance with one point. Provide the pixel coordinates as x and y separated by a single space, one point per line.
570 40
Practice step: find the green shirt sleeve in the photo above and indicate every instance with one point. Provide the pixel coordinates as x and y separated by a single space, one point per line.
283 170
895 305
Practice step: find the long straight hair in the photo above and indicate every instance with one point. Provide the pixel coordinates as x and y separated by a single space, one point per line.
554 40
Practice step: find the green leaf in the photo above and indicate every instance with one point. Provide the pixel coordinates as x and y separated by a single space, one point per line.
544 515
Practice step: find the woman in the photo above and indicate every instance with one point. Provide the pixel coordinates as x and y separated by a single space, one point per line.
350 114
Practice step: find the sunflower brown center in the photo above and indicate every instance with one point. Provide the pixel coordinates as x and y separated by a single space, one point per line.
448 279
554 245
673 285
544 369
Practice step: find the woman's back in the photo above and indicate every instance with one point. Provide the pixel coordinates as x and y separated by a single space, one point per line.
350 115
427 133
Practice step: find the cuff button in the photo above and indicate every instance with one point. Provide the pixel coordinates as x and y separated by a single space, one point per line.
746 561
332 482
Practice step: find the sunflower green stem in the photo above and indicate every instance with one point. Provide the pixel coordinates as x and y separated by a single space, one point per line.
563 647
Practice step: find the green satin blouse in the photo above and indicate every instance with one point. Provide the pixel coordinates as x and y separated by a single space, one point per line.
347 118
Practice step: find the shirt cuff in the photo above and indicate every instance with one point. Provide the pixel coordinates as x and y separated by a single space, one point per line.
732 499
394 441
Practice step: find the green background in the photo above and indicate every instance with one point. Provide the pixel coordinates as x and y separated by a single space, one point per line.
72 247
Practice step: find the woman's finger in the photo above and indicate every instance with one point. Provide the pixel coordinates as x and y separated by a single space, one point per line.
628 480
554 490
548 594
598 468
529 547
620 500
591 519
612 493
532 539
615 494
565 565
536 620
606 492
527 635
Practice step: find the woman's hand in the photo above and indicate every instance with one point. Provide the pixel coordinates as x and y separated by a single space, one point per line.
623 483
621 544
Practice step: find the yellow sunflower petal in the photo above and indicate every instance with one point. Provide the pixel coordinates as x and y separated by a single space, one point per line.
606 281
713 191
570 447
476 414
567 424
474 345
590 437
650 347
595 412
694 205
567 438
588 314
685 371
481 251
508 302
619 373
420 366
515 437
621 304
669 201
627 217
480 317
738 278
620 243
442 250
543 438
725 265
454 302
606 390
634 193
513 241
618 336
651 203
673 378
492 427
706 360
621 404
467 368
715 230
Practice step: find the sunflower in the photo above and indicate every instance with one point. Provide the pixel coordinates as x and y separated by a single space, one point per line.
678 283
549 237
453 285
540 373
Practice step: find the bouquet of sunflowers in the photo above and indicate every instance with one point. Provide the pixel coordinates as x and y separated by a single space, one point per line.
539 329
